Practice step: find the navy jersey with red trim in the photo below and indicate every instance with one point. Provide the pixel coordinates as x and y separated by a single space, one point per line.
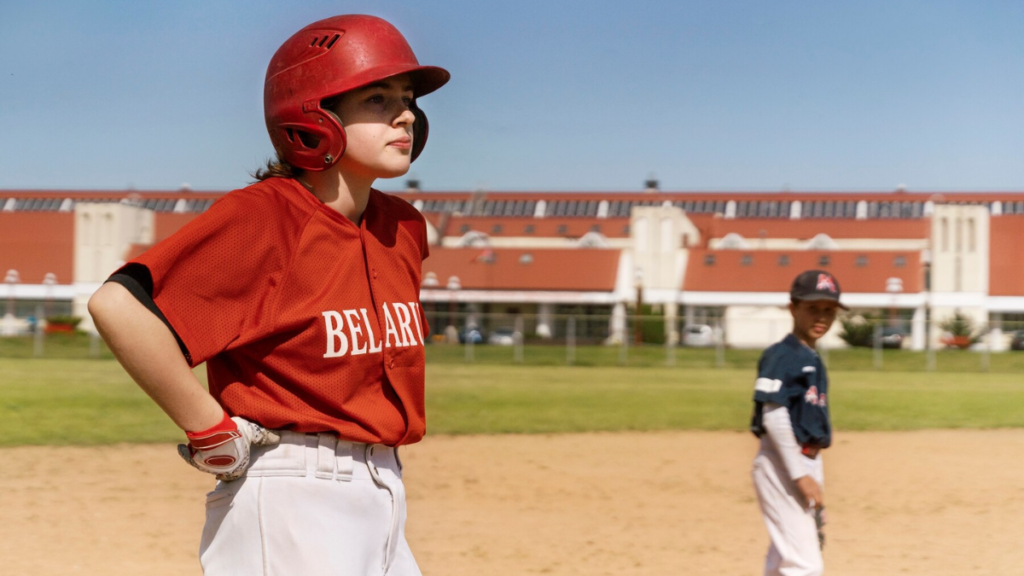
791 374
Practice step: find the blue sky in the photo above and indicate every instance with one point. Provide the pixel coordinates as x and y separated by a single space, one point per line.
545 95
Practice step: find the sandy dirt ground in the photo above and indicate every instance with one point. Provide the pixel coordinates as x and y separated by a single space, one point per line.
931 503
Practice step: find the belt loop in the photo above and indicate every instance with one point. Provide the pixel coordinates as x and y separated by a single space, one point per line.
343 459
326 444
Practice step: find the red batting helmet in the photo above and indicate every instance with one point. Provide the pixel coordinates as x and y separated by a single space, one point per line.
325 59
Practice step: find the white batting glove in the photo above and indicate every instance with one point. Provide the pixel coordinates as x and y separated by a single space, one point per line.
223 450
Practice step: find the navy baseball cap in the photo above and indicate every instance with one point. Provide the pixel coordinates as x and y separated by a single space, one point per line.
816 285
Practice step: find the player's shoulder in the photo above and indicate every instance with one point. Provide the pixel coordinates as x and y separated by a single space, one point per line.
397 207
282 194
780 349
782 355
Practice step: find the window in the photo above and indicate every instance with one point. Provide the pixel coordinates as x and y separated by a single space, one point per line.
528 229
970 234
784 260
496 229
464 228
746 260
824 260
595 228
709 259
562 229
625 229
861 261
899 261
944 234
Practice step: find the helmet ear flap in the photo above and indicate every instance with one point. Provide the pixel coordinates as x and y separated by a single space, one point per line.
420 129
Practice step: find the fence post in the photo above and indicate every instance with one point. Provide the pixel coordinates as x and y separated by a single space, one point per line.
670 347
94 344
986 352
719 338
624 346
517 340
570 341
929 350
38 334
876 344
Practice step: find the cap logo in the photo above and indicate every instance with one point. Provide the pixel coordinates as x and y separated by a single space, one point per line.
825 282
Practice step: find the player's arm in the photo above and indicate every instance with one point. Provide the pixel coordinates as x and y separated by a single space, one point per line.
779 428
150 354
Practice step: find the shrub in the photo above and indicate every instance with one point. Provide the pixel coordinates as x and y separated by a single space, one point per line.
858 331
960 331
72 321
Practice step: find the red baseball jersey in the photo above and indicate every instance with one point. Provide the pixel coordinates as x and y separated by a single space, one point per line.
305 320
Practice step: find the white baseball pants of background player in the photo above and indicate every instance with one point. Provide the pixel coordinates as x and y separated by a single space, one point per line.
794 549
311 505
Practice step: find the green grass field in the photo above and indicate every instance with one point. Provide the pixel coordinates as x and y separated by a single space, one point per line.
71 401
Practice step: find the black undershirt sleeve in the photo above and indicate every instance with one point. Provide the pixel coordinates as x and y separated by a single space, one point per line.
137 279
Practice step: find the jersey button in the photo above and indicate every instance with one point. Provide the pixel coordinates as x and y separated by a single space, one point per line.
374 272
391 363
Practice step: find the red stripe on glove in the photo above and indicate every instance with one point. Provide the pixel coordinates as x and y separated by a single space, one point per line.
225 431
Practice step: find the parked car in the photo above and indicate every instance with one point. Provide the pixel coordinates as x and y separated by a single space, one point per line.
698 335
892 337
502 337
473 335
1017 341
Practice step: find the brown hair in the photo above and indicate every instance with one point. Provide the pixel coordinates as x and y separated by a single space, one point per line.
276 168
279 167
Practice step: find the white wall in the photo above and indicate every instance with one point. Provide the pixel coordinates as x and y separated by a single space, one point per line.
104 232
762 326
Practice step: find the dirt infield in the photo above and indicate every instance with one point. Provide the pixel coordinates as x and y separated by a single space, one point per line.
934 502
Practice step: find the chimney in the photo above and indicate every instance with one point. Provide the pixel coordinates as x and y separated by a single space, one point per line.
651 184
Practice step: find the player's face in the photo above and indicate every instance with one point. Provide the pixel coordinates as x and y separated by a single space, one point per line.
378 126
813 318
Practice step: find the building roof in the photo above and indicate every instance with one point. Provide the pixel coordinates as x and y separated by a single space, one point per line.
578 270
537 227
756 228
37 243
774 270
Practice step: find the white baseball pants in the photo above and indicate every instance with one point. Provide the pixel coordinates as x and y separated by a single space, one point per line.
312 505
794 549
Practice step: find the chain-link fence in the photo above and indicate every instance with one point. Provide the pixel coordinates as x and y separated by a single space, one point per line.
650 340
855 342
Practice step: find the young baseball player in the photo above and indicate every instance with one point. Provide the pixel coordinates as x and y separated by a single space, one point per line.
791 418
301 295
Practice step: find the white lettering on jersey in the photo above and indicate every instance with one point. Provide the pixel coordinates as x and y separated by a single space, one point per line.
389 329
350 332
374 346
415 308
404 318
333 324
355 330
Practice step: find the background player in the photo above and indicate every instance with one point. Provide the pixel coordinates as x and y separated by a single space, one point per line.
301 294
791 418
